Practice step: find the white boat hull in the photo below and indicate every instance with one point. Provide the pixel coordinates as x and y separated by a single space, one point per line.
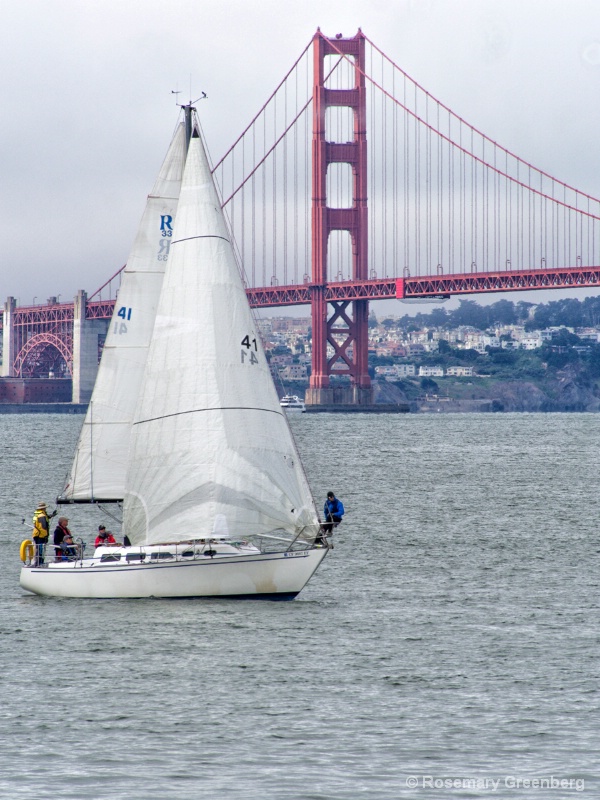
258 575
292 403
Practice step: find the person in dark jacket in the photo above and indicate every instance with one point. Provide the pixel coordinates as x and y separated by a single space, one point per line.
60 532
69 548
333 511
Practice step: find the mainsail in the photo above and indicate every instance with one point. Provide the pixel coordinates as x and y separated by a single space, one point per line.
99 464
211 452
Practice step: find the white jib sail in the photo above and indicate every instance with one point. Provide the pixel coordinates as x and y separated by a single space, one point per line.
211 451
99 464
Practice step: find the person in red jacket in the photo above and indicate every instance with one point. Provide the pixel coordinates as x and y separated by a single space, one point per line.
105 538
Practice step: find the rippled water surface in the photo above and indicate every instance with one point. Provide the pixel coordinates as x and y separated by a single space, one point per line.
451 636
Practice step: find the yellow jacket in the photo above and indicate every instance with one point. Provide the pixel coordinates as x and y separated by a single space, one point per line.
41 523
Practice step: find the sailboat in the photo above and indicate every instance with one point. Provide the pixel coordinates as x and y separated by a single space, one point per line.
215 499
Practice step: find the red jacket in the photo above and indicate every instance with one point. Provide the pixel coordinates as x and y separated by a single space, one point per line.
108 539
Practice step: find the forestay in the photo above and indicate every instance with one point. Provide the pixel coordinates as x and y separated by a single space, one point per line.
99 465
211 451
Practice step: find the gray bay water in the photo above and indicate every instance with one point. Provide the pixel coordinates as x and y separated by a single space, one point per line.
451 636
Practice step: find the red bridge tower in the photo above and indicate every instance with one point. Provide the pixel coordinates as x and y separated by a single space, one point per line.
345 331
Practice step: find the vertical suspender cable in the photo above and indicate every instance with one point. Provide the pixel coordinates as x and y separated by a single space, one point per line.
285 196
405 200
253 193
274 195
384 178
534 260
440 187
417 187
295 175
507 212
427 187
463 203
473 202
485 174
243 202
372 173
450 196
307 174
264 204
395 176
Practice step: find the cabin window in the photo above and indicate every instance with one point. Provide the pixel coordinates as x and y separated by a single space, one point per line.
160 556
111 557
135 556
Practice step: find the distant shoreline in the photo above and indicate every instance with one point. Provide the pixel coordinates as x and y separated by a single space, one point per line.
43 408
429 407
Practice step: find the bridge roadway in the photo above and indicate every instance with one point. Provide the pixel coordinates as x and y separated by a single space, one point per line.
72 328
374 289
433 286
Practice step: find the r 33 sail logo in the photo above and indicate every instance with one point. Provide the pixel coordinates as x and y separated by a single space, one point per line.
249 354
166 231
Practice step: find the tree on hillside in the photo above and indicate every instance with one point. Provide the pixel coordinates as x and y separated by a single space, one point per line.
568 312
593 362
565 338
523 309
467 355
438 318
503 313
470 313
503 357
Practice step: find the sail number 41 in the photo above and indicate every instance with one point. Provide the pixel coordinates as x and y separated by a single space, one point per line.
125 314
250 351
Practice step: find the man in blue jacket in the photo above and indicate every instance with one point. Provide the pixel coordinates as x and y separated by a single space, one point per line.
334 511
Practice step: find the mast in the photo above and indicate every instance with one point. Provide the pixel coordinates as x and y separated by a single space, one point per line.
187 110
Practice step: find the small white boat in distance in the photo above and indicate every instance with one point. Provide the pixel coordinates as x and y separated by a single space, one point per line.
215 499
292 402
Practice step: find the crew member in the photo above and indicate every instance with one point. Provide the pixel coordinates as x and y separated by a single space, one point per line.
105 539
69 548
41 531
60 532
334 511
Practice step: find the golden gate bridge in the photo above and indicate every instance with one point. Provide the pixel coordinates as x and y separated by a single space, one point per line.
353 184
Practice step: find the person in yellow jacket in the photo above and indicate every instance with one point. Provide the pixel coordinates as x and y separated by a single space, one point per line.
41 531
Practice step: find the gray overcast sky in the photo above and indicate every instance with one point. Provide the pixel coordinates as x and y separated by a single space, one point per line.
87 112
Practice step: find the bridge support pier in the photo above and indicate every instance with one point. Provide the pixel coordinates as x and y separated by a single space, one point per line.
339 396
8 338
85 350
340 341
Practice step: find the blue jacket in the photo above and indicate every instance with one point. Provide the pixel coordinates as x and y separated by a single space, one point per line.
333 507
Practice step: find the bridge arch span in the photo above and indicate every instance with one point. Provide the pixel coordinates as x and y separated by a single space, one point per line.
42 354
